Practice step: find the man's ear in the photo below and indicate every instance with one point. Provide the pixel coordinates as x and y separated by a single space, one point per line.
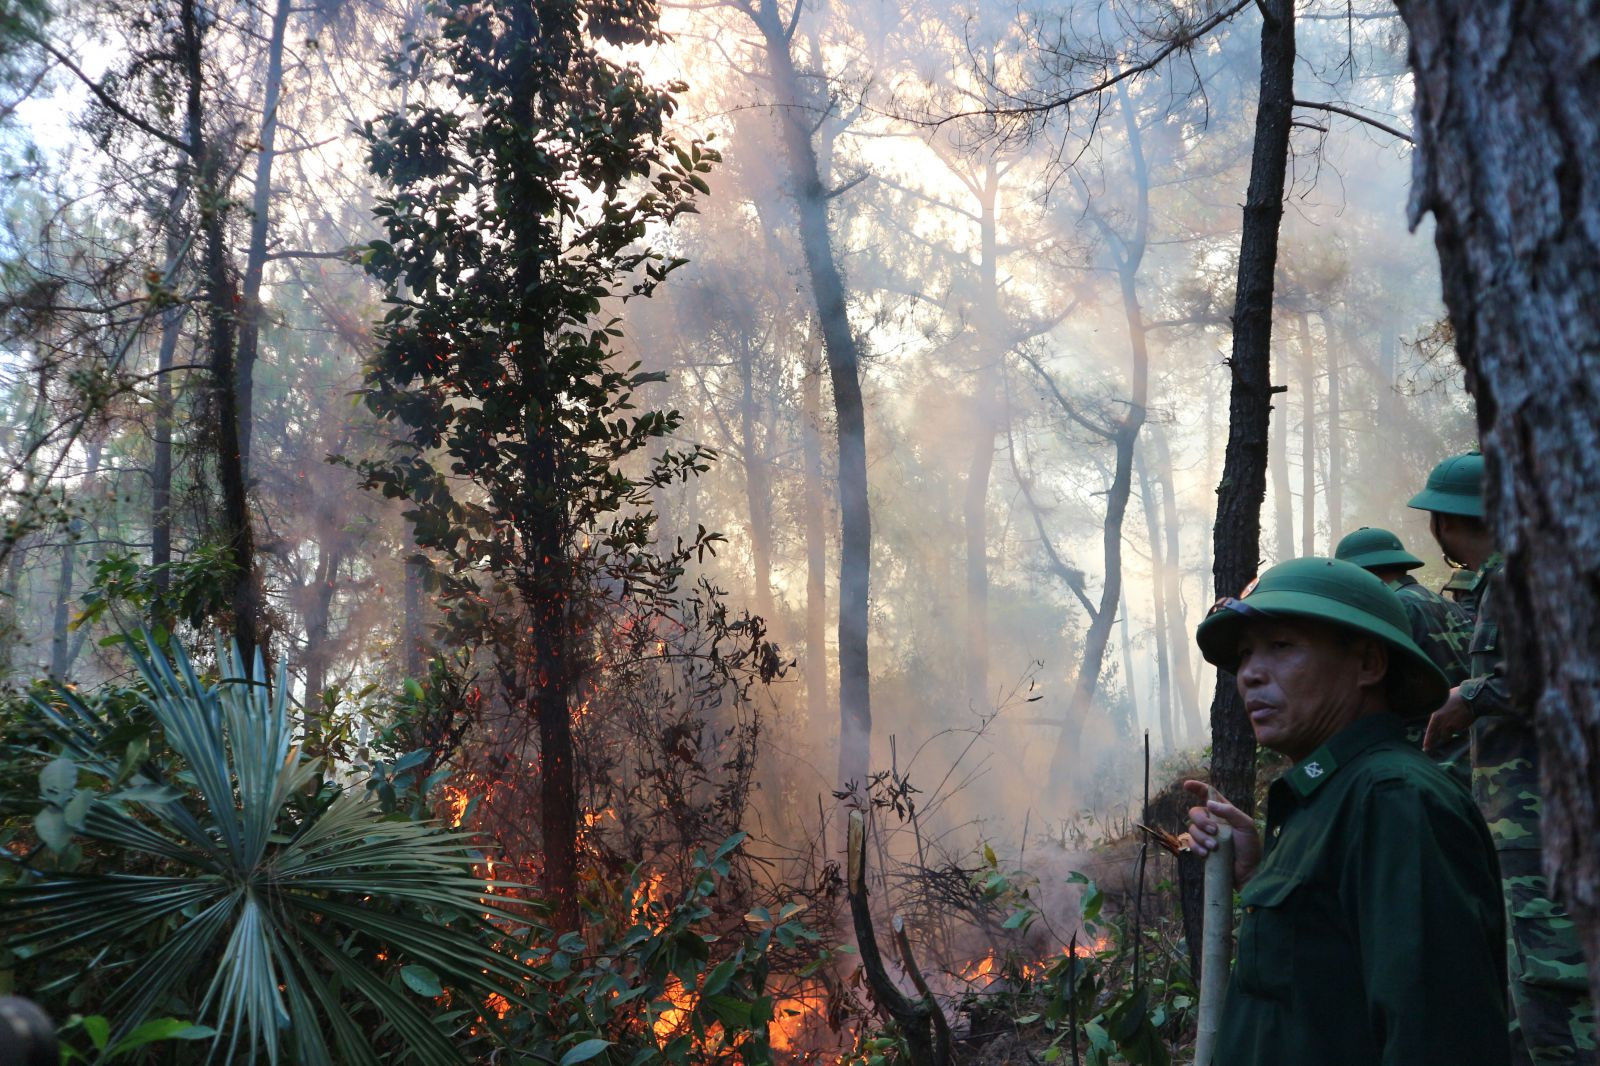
1374 664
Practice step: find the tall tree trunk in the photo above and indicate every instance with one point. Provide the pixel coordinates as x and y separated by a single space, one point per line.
161 461
1188 696
795 120
1131 722
63 649
818 700
245 594
986 430
260 218
414 653
1158 594
1278 460
10 629
1236 536
546 580
1237 533
1508 161
1333 491
318 655
757 482
1129 253
1308 439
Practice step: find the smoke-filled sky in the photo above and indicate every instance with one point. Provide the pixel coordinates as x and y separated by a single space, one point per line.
1001 272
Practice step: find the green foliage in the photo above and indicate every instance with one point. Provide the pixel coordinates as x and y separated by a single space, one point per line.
191 864
97 1028
126 591
523 189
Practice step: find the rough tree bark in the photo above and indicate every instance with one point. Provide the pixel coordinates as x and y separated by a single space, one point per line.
796 120
1236 535
1237 532
1508 162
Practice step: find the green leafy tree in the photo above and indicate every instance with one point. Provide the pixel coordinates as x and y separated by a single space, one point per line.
525 183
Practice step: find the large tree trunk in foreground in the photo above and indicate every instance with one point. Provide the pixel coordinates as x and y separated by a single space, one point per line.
1509 164
797 122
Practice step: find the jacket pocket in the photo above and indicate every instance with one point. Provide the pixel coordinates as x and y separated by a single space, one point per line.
1267 949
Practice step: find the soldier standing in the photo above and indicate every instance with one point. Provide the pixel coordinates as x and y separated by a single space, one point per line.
1553 1021
1439 627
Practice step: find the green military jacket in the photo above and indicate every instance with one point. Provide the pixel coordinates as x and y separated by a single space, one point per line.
1505 752
1372 932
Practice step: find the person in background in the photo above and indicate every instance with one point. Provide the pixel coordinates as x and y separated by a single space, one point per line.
1553 1018
1439 627
1372 931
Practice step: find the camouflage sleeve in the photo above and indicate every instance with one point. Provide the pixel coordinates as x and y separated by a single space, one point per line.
1443 632
1487 694
1487 691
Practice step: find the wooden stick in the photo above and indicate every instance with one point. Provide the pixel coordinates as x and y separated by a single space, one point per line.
1218 942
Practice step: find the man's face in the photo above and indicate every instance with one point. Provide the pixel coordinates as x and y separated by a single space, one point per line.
1444 531
1302 681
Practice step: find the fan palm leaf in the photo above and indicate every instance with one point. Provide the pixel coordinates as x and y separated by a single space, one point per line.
271 923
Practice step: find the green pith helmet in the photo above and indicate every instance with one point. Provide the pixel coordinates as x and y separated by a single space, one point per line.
1372 548
1329 590
1454 487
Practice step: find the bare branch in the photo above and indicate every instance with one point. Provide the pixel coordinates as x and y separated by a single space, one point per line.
111 102
1358 116
1181 41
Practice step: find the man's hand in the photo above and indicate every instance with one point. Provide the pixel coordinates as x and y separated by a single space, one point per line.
1203 824
1448 722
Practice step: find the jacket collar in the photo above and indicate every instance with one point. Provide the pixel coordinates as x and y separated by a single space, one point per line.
1310 773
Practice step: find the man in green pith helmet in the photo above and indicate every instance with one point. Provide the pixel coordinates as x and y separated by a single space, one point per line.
1440 628
1553 1018
1372 932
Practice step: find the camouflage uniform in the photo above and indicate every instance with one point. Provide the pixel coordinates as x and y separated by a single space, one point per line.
1440 628
1444 631
1553 1017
